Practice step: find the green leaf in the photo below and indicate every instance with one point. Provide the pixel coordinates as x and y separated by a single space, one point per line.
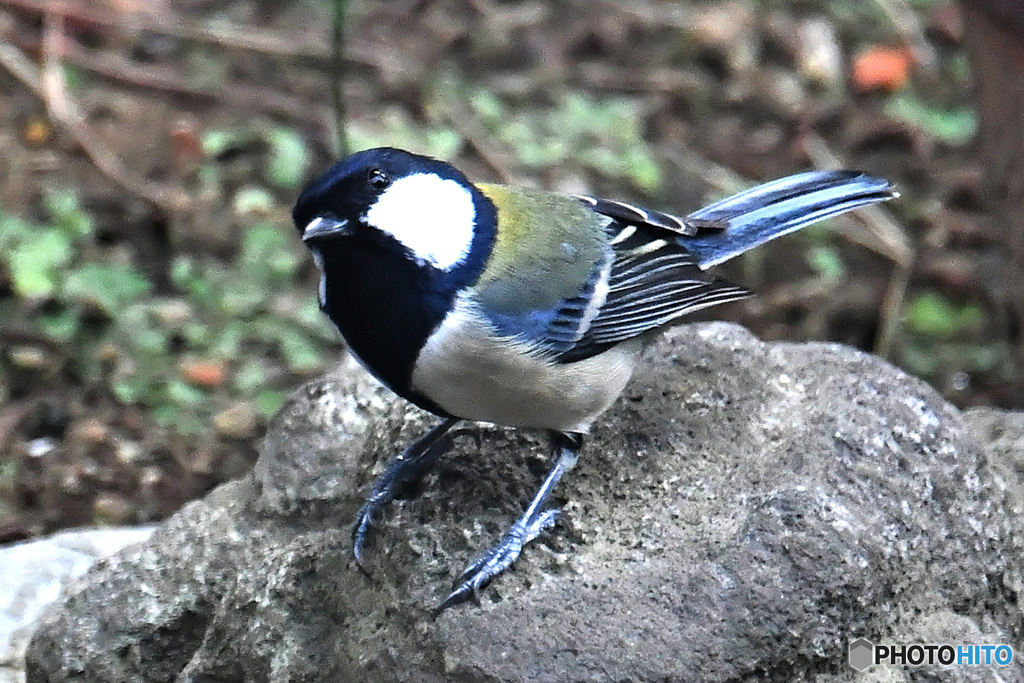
171 416
60 326
827 262
35 262
488 107
300 354
189 279
217 142
309 315
931 314
197 334
73 78
983 357
954 127
269 402
184 393
243 297
286 166
12 231
600 135
251 376
165 416
252 200
643 170
128 389
141 330
919 360
228 343
266 251
109 287
64 212
442 143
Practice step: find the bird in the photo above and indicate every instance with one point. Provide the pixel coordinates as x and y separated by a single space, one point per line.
521 307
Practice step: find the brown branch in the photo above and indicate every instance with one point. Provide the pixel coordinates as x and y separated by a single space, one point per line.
643 80
891 310
890 240
64 112
468 126
904 19
338 71
248 38
161 79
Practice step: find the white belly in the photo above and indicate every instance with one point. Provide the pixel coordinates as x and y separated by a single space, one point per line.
472 374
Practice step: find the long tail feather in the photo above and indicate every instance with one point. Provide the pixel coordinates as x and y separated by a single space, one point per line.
778 208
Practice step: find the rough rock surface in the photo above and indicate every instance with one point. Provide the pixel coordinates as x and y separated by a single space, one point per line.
33 574
744 511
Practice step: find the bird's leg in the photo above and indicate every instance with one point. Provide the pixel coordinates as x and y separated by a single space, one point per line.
410 465
537 518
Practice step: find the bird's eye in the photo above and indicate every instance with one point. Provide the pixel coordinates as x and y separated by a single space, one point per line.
378 179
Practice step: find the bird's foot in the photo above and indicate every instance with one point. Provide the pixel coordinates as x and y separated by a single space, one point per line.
366 517
408 468
499 558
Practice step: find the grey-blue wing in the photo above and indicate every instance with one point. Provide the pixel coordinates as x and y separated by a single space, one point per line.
655 273
650 283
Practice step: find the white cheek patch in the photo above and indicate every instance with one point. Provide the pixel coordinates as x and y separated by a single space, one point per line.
432 216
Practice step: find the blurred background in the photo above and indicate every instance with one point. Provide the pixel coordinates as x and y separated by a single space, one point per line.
156 305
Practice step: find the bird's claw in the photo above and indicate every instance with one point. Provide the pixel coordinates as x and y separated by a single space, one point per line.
496 560
403 472
360 531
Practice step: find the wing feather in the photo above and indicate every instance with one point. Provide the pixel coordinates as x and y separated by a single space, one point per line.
651 283
653 270
629 215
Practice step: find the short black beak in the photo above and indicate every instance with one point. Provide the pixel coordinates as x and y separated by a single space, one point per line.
322 226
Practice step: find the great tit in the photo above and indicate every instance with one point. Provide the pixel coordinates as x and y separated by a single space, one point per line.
520 307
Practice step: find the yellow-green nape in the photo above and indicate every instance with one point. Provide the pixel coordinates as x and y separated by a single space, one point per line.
546 245
515 212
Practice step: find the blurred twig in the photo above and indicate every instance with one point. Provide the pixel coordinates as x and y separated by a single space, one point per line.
890 240
645 79
906 22
245 38
49 87
52 80
673 15
491 151
892 310
338 78
724 181
885 236
250 38
162 79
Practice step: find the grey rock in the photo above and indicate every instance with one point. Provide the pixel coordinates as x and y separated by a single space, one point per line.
1002 434
33 574
745 510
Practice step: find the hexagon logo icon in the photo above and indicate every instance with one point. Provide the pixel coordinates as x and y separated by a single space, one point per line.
861 653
